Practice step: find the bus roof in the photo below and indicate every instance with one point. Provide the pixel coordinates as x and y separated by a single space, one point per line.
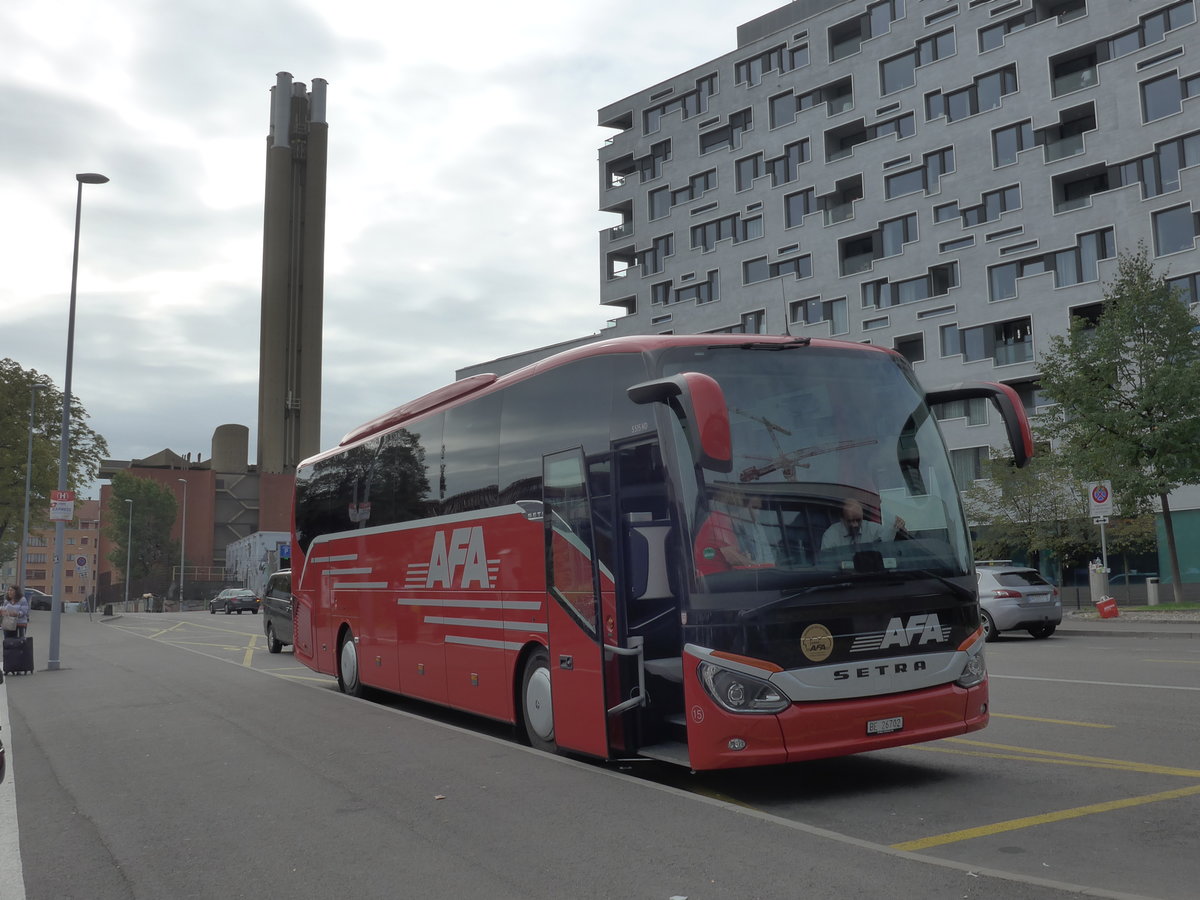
486 382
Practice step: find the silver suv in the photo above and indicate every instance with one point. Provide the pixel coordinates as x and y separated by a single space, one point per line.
1017 597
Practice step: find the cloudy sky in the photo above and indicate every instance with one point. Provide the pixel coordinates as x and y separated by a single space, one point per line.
462 194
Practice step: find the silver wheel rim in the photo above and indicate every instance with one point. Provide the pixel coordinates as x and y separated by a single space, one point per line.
537 704
349 665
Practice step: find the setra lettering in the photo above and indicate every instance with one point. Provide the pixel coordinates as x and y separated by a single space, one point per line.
883 669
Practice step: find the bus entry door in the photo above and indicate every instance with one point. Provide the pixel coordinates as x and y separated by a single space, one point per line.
574 581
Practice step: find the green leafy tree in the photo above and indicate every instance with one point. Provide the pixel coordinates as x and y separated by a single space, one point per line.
83 461
1128 390
150 551
1030 510
1043 507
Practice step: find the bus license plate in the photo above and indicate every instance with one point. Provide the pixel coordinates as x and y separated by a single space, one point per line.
885 726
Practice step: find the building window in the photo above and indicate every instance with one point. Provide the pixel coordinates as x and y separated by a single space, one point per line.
1073 72
1161 97
702 292
900 72
654 259
746 170
814 310
1174 230
967 464
1187 288
973 410
755 270
926 177
782 109
983 94
911 347
777 59
798 205
993 205
1007 142
659 202
728 136
783 168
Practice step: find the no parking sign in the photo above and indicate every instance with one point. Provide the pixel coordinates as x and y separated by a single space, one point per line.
1100 501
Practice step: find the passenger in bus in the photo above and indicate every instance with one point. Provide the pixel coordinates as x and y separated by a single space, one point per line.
732 536
852 530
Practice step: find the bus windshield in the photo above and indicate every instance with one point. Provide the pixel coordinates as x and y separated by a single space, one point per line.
839 475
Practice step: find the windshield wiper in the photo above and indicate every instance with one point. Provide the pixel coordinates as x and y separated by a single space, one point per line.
965 593
788 598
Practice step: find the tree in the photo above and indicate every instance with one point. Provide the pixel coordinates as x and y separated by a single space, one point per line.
83 460
1044 507
153 510
1128 392
1031 509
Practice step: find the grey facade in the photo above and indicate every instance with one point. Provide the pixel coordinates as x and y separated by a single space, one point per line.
950 179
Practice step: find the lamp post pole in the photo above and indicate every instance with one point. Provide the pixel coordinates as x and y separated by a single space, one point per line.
182 539
60 549
33 392
128 552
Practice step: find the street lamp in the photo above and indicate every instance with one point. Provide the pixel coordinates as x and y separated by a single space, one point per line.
60 548
182 539
128 552
33 392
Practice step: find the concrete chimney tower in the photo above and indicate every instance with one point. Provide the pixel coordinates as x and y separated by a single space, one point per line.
289 378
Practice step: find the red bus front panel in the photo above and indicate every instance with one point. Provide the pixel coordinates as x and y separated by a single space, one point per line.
718 739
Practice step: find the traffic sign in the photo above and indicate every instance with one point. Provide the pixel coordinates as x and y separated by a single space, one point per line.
1100 501
81 562
62 506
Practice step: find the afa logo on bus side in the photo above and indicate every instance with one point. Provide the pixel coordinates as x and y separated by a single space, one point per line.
462 556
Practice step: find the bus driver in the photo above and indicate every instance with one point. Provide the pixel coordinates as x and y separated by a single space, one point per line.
852 531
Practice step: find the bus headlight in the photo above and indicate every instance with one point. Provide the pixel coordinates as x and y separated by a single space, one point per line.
740 693
974 672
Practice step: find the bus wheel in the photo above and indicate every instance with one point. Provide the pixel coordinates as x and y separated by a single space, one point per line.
348 679
536 709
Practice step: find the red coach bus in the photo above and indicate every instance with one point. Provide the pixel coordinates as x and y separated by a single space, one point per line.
714 550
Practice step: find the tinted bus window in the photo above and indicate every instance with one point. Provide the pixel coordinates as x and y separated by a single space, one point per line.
405 473
471 452
567 408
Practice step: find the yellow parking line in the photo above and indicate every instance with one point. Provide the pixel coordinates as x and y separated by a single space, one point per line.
165 630
1050 757
1079 759
250 651
968 834
1052 721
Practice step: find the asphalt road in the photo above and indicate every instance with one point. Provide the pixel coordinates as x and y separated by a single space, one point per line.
172 756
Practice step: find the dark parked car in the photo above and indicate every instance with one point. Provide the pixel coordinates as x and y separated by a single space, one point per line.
37 599
277 610
1017 597
234 600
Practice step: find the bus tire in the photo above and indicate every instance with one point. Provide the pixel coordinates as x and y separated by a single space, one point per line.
537 712
349 678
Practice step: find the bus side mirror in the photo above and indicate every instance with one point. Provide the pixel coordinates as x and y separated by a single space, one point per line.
1005 399
699 403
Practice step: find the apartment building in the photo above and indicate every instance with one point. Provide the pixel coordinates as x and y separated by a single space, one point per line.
950 179
82 538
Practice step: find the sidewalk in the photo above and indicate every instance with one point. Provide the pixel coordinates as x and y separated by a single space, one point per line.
1163 622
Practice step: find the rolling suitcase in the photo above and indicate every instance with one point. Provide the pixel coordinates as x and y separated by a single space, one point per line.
18 655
